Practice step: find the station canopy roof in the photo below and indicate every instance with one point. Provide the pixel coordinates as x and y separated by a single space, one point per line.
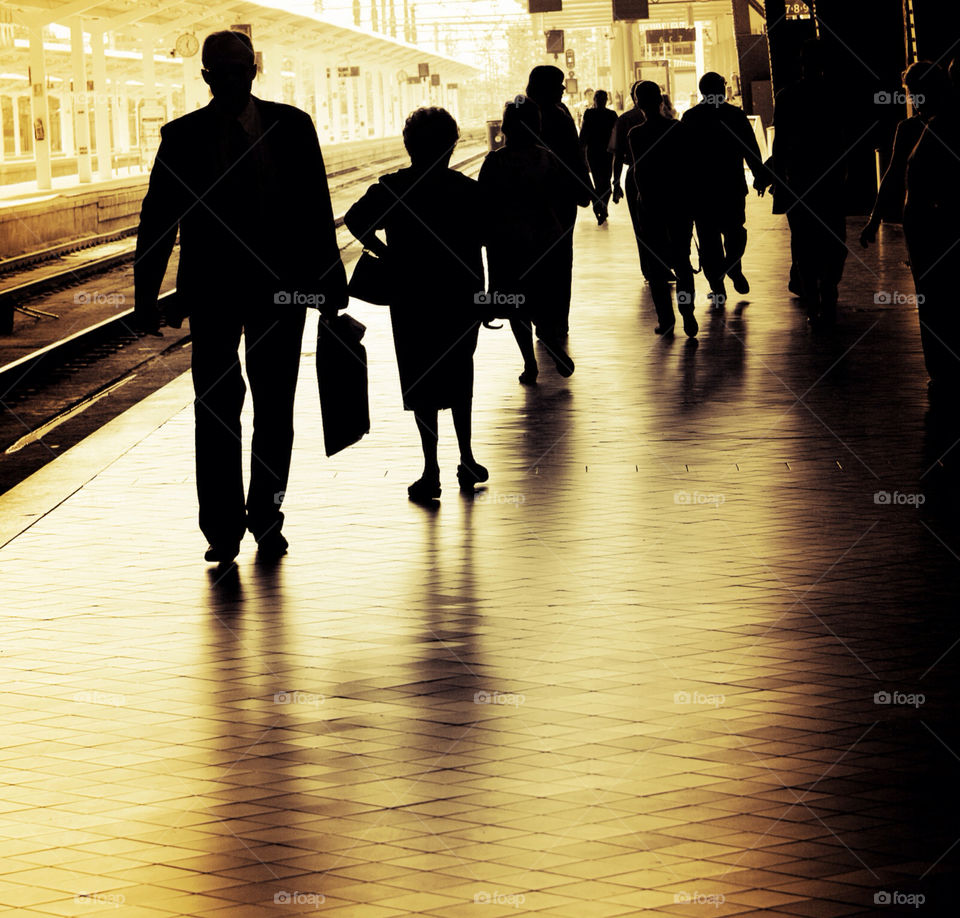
162 21
581 14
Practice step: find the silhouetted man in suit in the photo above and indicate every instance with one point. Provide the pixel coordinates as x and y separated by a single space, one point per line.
244 181
722 140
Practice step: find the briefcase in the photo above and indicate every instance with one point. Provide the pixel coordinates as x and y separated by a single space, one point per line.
342 381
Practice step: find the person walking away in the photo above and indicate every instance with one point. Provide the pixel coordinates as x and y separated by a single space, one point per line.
722 141
527 193
598 124
432 218
620 148
558 134
244 182
661 156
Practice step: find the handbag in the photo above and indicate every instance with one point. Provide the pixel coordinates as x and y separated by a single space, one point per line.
371 281
342 382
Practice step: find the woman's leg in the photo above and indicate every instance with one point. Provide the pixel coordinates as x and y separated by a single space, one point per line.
523 334
427 425
463 425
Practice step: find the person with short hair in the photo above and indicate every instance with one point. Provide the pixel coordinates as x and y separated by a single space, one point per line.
598 124
723 141
528 192
558 134
244 182
620 148
432 217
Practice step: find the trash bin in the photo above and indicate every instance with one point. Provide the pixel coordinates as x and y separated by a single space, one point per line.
495 138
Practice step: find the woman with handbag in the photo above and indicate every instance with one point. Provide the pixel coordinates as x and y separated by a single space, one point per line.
529 193
433 275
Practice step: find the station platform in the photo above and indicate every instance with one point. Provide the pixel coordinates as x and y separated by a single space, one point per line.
693 651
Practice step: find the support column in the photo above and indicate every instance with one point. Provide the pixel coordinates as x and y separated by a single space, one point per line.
378 91
149 71
101 115
39 110
349 85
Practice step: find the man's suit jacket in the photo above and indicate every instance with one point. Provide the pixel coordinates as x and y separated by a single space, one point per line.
254 216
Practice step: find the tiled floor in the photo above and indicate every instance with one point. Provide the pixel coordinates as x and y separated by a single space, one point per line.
638 673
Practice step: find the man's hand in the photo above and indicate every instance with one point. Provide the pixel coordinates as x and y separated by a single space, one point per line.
146 319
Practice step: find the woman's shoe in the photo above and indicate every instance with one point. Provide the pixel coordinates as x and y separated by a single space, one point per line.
470 474
424 489
529 375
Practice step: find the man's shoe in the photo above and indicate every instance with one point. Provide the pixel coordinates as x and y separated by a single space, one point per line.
740 283
690 325
221 552
272 546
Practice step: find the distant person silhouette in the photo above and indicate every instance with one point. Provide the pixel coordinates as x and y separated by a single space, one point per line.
929 90
809 153
527 193
661 154
722 140
432 218
558 133
598 124
620 148
244 181
931 226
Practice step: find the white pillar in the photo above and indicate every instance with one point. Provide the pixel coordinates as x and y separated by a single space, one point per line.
101 115
80 113
39 111
149 71
378 90
350 87
17 143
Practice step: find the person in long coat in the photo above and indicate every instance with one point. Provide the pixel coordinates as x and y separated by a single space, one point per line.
558 133
528 192
431 216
